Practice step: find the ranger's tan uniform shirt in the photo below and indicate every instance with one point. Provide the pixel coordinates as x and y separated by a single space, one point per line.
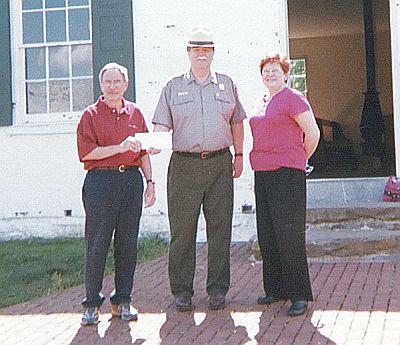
199 115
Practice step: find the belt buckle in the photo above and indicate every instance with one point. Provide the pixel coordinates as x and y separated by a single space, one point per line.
204 154
121 168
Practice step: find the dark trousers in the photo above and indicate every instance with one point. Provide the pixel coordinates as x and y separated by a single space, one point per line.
113 205
193 183
281 218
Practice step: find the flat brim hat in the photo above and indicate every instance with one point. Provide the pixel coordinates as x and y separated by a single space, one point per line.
200 36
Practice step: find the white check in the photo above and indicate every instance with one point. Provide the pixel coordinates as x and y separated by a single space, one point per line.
158 140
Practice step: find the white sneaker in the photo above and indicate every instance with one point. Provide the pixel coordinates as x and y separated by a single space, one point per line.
125 311
90 316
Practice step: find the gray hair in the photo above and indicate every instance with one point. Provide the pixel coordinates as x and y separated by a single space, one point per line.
113 65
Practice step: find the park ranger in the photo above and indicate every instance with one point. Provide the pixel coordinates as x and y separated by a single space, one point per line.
203 111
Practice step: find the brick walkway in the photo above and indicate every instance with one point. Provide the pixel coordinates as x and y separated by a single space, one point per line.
356 303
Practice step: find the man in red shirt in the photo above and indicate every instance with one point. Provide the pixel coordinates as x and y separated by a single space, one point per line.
112 192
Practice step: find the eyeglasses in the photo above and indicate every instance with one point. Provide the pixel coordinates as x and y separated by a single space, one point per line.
115 83
273 71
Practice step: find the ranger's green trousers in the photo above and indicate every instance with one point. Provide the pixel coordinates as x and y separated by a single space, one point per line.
192 183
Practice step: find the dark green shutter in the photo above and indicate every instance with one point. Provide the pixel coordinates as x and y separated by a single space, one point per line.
5 63
113 39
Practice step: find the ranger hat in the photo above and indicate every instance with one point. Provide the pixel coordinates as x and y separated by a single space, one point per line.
200 36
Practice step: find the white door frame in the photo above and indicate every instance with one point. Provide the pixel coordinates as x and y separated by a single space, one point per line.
395 37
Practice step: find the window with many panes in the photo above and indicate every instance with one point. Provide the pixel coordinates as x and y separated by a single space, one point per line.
298 75
55 56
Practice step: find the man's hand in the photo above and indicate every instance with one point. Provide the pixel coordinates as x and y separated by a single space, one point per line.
130 144
157 128
149 195
237 166
153 151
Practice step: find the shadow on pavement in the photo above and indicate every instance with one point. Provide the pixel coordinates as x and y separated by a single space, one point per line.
352 300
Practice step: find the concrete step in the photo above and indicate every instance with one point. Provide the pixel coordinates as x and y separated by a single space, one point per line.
353 231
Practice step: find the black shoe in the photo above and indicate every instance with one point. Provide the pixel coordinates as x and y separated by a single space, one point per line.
216 302
183 303
264 299
298 308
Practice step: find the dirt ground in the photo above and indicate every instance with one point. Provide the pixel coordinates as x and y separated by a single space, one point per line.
348 249
356 248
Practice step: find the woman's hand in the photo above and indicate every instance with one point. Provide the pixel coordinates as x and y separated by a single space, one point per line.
310 128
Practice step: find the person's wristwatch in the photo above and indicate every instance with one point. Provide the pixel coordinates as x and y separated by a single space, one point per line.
239 154
150 181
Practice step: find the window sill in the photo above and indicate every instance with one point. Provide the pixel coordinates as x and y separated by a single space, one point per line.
67 127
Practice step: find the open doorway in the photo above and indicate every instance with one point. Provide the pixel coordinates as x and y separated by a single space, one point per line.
328 47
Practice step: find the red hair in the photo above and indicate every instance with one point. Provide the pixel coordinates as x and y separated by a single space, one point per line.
283 62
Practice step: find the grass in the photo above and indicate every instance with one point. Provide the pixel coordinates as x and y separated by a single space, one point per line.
35 268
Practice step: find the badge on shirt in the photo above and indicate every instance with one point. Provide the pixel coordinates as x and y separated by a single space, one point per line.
221 87
183 93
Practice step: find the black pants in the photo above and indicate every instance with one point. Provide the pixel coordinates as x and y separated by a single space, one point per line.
192 184
113 205
281 217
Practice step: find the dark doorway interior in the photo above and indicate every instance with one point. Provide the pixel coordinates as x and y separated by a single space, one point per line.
329 35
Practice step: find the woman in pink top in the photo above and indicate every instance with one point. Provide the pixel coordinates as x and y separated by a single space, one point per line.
285 135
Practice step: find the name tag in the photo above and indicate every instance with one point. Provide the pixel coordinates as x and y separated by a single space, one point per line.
183 93
221 87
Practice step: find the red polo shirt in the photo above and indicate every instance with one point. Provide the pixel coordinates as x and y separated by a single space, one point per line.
102 126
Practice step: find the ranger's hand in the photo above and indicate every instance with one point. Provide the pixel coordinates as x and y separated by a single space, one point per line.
237 166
